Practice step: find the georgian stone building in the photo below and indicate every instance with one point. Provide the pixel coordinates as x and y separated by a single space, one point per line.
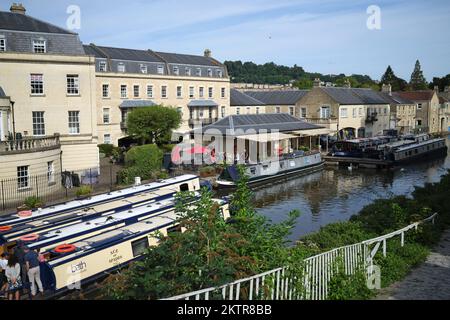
47 104
197 86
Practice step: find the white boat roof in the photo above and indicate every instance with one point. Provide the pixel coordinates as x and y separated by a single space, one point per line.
101 198
103 222
107 209
420 144
143 226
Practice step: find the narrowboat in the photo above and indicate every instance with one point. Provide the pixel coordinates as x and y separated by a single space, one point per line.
92 227
98 203
12 234
296 163
81 262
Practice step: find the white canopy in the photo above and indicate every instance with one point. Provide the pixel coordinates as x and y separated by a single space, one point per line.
314 132
266 137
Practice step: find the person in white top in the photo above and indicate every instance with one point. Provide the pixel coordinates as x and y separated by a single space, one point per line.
12 273
3 280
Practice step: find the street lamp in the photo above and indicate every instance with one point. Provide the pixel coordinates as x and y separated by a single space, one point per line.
14 120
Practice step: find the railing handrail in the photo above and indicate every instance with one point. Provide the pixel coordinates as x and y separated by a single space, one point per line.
365 243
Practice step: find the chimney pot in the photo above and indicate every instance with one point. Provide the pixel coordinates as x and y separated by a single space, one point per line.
387 88
317 83
207 53
17 8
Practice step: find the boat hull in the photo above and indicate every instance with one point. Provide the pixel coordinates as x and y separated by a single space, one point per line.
227 185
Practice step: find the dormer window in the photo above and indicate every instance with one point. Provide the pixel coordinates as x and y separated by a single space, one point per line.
2 43
102 66
219 73
176 71
121 67
188 71
160 69
39 46
199 72
144 68
210 73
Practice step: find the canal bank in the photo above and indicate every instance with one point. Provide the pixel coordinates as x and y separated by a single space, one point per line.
337 194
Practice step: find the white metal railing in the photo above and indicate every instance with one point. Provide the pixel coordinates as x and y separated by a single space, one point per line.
317 272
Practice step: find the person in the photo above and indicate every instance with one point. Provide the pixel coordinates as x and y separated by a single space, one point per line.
3 280
12 273
20 255
33 269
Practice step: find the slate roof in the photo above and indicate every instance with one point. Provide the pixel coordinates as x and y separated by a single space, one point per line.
239 98
355 96
177 58
202 103
281 122
137 104
22 22
442 100
122 54
2 93
395 98
278 97
425 95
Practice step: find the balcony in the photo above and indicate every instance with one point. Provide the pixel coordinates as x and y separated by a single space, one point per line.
28 145
372 117
204 122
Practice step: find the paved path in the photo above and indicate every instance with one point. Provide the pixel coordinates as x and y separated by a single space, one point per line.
430 281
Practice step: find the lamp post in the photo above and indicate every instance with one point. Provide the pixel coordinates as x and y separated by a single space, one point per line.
14 120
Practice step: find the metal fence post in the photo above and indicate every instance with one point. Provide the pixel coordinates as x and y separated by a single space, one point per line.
37 187
3 196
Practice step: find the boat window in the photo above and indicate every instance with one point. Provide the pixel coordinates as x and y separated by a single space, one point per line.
184 187
140 246
253 170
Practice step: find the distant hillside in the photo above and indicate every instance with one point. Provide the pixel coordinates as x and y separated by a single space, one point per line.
271 73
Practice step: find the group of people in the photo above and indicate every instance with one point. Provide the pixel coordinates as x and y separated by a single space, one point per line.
18 269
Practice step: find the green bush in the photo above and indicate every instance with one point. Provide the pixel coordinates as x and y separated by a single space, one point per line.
33 203
84 191
107 149
144 162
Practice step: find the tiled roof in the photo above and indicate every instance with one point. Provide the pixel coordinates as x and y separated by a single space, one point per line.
425 95
202 103
239 98
281 122
22 22
355 96
441 99
279 97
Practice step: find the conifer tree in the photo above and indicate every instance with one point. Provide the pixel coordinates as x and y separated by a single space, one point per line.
418 81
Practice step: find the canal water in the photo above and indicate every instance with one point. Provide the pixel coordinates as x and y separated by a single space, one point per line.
337 194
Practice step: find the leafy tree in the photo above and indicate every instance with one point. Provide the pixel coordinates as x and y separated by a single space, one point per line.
153 124
304 84
389 77
440 82
418 81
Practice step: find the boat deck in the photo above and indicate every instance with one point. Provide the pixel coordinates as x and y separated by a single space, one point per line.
360 162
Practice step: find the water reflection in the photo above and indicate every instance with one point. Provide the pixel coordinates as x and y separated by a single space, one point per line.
336 194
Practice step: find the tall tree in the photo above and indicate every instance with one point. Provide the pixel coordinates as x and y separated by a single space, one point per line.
389 77
153 124
418 81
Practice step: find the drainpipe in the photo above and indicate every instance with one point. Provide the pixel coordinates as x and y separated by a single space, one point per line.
14 121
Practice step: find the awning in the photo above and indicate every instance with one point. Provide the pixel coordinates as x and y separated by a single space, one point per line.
266 137
314 132
137 104
202 103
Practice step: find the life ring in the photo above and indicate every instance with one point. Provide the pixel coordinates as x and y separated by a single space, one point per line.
65 248
5 228
25 214
30 238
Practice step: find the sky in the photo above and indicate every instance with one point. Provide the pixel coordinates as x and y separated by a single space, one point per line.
326 36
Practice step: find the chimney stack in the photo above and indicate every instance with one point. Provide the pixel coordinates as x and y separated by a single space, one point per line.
387 88
447 89
17 8
317 83
436 88
207 53
347 84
